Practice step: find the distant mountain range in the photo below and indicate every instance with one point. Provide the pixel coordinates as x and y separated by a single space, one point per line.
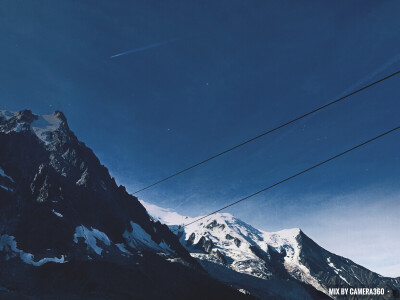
68 231
269 265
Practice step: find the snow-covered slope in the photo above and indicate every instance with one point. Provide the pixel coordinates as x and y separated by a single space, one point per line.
223 242
41 125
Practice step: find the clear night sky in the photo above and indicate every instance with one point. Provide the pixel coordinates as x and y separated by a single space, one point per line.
211 74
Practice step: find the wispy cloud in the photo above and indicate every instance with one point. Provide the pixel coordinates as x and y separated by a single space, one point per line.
394 60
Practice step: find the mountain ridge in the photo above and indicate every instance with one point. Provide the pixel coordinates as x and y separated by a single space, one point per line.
223 243
63 215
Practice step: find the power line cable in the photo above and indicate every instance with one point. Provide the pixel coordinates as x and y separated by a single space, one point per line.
268 132
291 177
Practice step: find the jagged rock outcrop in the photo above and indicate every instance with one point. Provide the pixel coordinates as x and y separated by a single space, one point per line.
61 213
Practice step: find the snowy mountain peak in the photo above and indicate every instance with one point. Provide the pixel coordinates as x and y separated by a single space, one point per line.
222 223
231 249
169 217
41 125
226 239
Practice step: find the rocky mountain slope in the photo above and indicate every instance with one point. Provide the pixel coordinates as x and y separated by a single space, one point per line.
68 231
283 265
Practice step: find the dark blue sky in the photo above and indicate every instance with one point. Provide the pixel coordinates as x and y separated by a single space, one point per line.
233 70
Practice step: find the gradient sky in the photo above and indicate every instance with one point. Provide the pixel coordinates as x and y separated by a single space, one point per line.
242 67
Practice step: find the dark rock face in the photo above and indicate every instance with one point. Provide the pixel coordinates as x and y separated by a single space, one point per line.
205 244
191 239
214 225
65 176
219 256
52 185
235 240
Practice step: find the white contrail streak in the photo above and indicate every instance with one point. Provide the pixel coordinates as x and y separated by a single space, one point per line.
149 47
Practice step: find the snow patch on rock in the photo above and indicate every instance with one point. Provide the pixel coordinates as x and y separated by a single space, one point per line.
57 213
139 239
44 125
9 246
41 125
122 248
2 173
6 188
91 236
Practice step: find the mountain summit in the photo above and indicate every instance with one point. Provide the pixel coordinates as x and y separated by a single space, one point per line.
286 264
68 231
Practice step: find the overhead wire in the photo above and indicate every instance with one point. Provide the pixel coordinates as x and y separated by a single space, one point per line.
269 131
292 176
